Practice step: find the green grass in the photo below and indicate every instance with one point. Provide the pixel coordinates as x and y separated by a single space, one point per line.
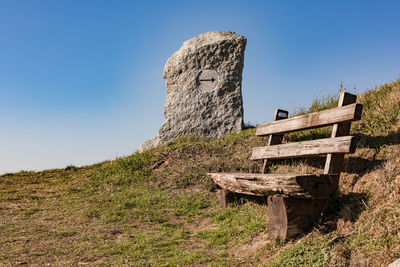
126 211
318 104
159 207
315 251
381 110
241 220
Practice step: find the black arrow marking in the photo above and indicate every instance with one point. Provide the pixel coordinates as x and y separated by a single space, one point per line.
207 80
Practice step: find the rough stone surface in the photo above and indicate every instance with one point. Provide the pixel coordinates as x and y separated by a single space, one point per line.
203 80
396 263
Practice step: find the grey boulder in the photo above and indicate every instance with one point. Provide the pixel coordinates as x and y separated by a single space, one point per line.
204 88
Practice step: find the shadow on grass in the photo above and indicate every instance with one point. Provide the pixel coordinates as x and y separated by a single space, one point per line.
347 207
377 142
361 166
353 165
343 206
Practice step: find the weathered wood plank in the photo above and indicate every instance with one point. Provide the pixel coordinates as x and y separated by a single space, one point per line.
275 139
345 144
313 120
334 162
318 186
290 217
224 197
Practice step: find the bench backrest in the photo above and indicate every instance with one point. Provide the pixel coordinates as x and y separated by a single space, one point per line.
334 147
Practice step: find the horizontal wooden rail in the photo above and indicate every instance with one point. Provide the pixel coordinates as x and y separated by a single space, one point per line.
345 144
313 120
293 185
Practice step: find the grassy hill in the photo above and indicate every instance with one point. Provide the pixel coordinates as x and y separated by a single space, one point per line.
159 207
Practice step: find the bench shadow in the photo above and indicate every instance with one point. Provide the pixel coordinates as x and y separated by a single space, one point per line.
360 166
238 198
353 165
377 142
347 207
343 206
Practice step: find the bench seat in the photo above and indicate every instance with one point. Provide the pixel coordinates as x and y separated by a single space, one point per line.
295 201
307 186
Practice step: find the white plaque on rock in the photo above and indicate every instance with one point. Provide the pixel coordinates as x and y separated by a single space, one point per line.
207 80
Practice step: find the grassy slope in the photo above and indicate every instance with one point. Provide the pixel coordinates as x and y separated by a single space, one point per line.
158 207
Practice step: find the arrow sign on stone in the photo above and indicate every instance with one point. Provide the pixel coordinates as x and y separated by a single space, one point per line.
208 80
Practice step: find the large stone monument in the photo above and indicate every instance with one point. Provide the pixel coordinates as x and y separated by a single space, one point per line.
204 82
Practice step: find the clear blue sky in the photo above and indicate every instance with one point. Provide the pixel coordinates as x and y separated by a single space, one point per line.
81 81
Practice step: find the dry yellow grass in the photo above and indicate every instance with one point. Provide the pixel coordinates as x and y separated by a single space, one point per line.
158 207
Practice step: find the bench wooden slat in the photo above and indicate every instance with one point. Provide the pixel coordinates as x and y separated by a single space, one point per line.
275 139
345 144
318 186
313 120
296 201
334 162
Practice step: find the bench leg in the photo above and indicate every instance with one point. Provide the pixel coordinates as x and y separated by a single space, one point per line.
289 217
225 197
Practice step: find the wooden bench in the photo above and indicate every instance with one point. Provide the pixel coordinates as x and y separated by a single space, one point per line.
296 201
